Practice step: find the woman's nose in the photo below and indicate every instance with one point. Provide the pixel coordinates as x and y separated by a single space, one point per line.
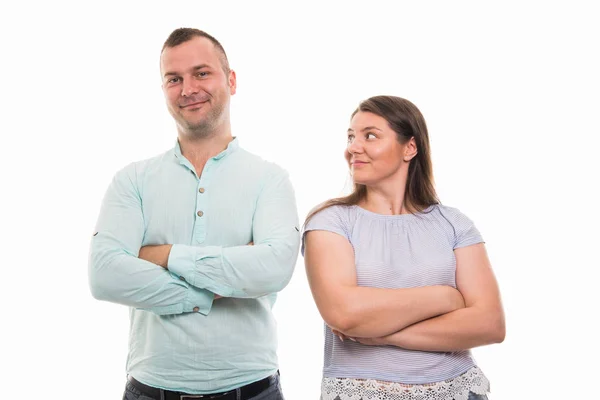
355 147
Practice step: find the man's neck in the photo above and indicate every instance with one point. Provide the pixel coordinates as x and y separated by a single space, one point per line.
199 150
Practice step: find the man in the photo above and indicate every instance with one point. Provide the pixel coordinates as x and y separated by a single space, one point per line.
198 241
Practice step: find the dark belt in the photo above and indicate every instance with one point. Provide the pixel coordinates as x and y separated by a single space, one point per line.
248 391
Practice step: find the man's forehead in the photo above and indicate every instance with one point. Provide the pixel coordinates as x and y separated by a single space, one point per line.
197 46
189 54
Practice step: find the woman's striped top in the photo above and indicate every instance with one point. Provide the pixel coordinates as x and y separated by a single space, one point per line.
397 251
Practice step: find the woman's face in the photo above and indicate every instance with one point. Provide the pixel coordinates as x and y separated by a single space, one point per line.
374 153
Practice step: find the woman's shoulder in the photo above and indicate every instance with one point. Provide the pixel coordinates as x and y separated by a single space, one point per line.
335 218
339 213
452 214
463 229
334 209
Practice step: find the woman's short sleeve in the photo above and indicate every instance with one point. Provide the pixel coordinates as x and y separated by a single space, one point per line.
333 219
465 232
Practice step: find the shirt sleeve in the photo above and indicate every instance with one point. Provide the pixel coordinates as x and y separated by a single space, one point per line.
333 219
115 272
249 271
465 232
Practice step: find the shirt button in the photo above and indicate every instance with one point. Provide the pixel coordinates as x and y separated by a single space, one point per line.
200 213
182 278
201 190
196 309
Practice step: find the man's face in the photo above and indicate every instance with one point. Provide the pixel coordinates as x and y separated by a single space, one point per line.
196 88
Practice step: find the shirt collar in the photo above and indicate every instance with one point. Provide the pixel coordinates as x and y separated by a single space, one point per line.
231 147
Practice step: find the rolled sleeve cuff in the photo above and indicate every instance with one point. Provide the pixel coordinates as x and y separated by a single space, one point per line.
199 300
200 267
182 262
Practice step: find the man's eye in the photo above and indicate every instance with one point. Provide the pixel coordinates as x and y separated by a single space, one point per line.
202 74
173 80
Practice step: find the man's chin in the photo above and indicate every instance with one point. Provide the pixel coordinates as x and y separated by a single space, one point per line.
192 123
198 127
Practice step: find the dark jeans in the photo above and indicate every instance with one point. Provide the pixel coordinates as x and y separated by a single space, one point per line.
273 392
472 396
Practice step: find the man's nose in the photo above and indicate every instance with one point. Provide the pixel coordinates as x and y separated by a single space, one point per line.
189 88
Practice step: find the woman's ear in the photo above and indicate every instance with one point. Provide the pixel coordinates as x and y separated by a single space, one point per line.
410 149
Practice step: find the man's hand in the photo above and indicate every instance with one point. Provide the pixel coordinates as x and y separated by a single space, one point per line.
158 254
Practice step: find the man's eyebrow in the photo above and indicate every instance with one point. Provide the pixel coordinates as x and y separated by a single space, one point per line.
195 68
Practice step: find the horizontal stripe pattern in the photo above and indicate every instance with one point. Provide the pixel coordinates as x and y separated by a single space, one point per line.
397 251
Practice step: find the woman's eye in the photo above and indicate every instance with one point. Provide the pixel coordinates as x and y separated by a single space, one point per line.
350 138
371 136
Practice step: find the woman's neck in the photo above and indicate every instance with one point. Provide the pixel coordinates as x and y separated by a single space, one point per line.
387 201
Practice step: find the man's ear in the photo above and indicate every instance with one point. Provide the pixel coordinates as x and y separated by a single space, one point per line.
232 82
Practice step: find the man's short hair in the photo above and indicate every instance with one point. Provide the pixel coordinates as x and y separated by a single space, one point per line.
182 35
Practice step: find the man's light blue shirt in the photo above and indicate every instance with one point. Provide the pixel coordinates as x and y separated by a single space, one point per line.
180 337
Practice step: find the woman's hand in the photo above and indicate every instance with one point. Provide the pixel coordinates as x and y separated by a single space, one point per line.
367 341
372 341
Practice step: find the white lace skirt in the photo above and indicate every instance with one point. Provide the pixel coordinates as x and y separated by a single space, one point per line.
370 389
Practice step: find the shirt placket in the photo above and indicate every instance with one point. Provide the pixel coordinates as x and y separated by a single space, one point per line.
202 209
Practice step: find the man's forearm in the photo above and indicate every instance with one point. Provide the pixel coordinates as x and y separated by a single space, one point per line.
240 271
119 277
156 254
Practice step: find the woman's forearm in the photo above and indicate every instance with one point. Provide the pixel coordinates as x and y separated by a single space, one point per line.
462 329
374 312
360 311
481 322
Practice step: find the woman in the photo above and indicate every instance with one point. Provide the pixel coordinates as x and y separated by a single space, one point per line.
403 283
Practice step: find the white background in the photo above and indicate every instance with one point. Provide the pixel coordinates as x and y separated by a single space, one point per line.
509 91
